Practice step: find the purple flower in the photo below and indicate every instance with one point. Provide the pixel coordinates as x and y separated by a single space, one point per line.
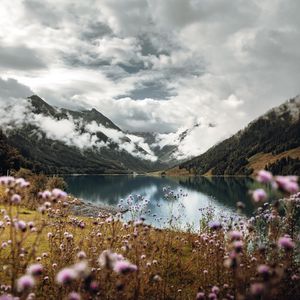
259 195
124 267
21 225
257 289
215 225
25 282
66 276
286 243
7 180
59 194
200 296
288 183
74 296
238 246
35 270
264 176
16 199
235 235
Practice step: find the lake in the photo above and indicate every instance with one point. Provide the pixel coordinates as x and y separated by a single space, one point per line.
193 195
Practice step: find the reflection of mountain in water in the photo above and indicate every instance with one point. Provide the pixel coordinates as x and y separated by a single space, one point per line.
227 190
110 189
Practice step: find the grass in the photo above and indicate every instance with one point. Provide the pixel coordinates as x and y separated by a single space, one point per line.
171 264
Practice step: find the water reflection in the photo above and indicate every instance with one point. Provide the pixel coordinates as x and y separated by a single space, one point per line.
222 193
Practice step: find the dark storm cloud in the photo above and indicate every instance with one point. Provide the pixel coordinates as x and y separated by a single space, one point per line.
95 30
153 90
11 88
20 58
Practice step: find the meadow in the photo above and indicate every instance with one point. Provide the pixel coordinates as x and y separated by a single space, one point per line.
47 253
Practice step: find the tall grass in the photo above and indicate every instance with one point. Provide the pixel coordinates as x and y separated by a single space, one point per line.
46 253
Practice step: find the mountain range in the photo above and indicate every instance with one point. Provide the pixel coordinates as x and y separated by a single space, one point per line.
56 140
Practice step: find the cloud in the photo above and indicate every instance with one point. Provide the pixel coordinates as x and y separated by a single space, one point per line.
20 58
11 88
157 65
15 113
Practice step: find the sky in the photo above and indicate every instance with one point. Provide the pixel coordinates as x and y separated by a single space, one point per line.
152 65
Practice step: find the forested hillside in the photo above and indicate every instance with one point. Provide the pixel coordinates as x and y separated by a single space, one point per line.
271 141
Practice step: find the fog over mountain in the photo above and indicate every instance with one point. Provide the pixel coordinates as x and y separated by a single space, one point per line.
154 66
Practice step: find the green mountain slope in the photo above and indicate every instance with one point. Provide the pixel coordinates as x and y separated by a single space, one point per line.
271 141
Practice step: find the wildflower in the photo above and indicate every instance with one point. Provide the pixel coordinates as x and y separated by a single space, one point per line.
22 183
238 246
25 282
287 183
6 180
257 289
235 235
4 245
21 225
212 296
35 270
74 296
215 289
107 259
81 269
15 199
200 296
81 255
7 297
286 243
264 176
259 195
124 267
59 194
215 225
66 276
264 270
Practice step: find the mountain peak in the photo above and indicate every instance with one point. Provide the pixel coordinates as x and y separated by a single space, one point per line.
41 106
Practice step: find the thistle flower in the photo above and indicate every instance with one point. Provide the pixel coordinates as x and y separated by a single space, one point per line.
15 199
21 225
257 289
25 282
81 255
35 270
264 176
74 296
259 195
238 246
286 243
287 183
66 276
59 194
124 267
215 225
200 296
235 235
6 180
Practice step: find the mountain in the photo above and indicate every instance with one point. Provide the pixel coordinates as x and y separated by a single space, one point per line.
270 142
56 140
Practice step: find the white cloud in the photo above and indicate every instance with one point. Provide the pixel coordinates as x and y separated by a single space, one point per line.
217 61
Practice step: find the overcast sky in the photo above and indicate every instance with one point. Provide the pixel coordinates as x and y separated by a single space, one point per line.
153 65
